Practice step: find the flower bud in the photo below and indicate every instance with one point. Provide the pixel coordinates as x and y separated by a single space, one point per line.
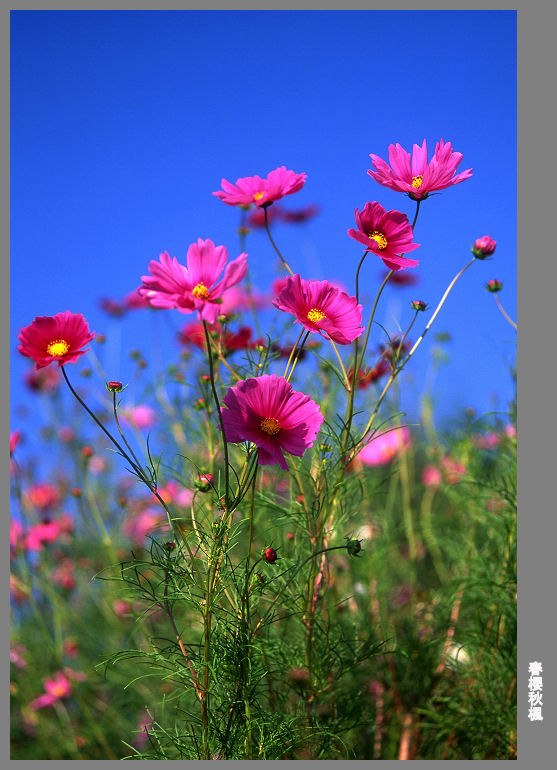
199 404
417 304
203 482
270 555
114 386
100 338
484 247
77 492
170 546
494 285
87 451
353 546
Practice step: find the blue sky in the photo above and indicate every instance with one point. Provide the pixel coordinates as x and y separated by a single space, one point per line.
124 122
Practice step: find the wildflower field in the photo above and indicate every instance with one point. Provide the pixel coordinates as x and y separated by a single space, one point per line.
248 551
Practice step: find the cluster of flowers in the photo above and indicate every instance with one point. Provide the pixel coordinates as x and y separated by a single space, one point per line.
266 410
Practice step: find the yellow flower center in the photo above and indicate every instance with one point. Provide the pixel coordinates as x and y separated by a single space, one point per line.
59 689
258 195
379 238
417 181
270 425
57 348
200 291
315 315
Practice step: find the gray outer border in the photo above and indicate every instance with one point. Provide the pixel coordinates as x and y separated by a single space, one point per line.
537 421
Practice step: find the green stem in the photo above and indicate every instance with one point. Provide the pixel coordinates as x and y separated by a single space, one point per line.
417 212
298 354
242 233
284 262
357 365
500 306
411 353
139 471
217 404
291 578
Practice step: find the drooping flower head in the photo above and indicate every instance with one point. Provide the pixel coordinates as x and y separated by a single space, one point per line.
414 175
197 286
55 338
321 307
261 192
276 418
387 233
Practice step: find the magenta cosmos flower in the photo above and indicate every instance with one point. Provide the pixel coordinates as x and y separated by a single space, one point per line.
55 338
387 233
414 175
195 287
385 448
262 192
266 411
321 307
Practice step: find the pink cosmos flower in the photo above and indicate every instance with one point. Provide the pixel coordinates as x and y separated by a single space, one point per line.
55 689
385 448
322 308
510 431
413 175
121 607
262 192
195 287
256 218
192 334
134 301
387 233
49 531
298 216
266 411
16 534
43 380
488 440
141 416
140 525
237 299
112 307
55 338
143 726
16 655
70 647
172 492
15 437
64 574
43 496
452 470
431 476
401 279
